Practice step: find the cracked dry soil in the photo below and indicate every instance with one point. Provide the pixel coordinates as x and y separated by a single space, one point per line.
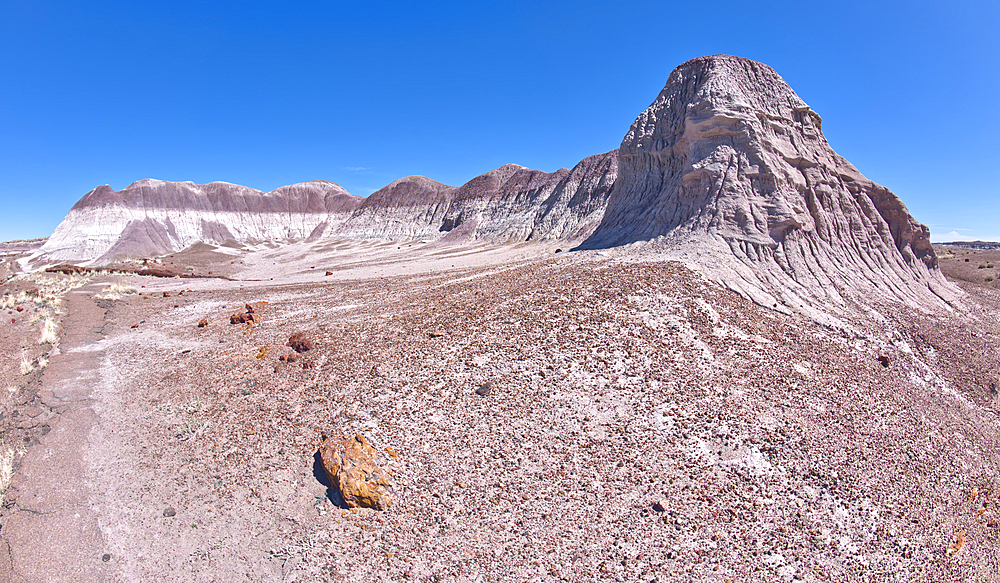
780 450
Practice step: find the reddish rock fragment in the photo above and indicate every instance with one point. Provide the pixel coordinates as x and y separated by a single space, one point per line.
351 466
288 357
299 342
957 542
240 318
884 360
203 323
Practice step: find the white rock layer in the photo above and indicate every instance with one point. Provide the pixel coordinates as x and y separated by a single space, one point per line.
154 217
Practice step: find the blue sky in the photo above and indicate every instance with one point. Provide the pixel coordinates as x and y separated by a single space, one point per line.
267 94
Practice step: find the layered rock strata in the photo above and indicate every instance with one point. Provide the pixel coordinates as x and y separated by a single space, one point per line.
153 217
728 168
511 203
731 163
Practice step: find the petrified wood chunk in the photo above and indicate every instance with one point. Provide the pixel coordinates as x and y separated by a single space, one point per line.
299 342
351 466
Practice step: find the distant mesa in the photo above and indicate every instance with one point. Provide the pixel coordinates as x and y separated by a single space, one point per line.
978 245
728 169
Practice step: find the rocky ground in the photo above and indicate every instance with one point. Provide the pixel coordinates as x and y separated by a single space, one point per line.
641 424
977 266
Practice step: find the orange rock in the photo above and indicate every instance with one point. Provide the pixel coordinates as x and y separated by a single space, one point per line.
351 466
957 542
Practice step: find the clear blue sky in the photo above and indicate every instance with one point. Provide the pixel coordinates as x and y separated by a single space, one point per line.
266 94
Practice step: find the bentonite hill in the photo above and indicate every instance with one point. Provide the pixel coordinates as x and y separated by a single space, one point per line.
717 353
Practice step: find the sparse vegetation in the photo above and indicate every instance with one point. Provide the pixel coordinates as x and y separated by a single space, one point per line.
116 291
27 366
48 332
6 469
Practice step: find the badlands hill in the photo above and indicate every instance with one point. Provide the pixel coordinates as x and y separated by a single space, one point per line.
728 169
730 161
153 217
615 413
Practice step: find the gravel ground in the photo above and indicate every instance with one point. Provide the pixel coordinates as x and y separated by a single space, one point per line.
643 424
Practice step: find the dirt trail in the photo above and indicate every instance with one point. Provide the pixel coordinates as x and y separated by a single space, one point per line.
51 533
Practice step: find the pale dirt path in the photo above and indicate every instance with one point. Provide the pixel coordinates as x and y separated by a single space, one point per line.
52 532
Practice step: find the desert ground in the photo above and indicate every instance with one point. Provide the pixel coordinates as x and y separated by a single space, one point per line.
642 423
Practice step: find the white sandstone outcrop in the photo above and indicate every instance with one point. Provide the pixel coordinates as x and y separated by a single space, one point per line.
154 217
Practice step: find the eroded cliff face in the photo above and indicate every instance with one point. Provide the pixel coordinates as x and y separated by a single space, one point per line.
728 155
509 204
154 217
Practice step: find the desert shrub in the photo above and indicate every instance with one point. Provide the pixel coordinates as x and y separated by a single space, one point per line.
989 279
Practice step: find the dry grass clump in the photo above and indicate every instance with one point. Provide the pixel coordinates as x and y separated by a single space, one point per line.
48 332
6 469
116 291
52 287
27 365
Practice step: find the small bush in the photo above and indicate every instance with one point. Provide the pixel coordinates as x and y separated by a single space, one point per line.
989 279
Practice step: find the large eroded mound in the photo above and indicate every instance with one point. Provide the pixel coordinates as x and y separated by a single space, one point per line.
728 157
